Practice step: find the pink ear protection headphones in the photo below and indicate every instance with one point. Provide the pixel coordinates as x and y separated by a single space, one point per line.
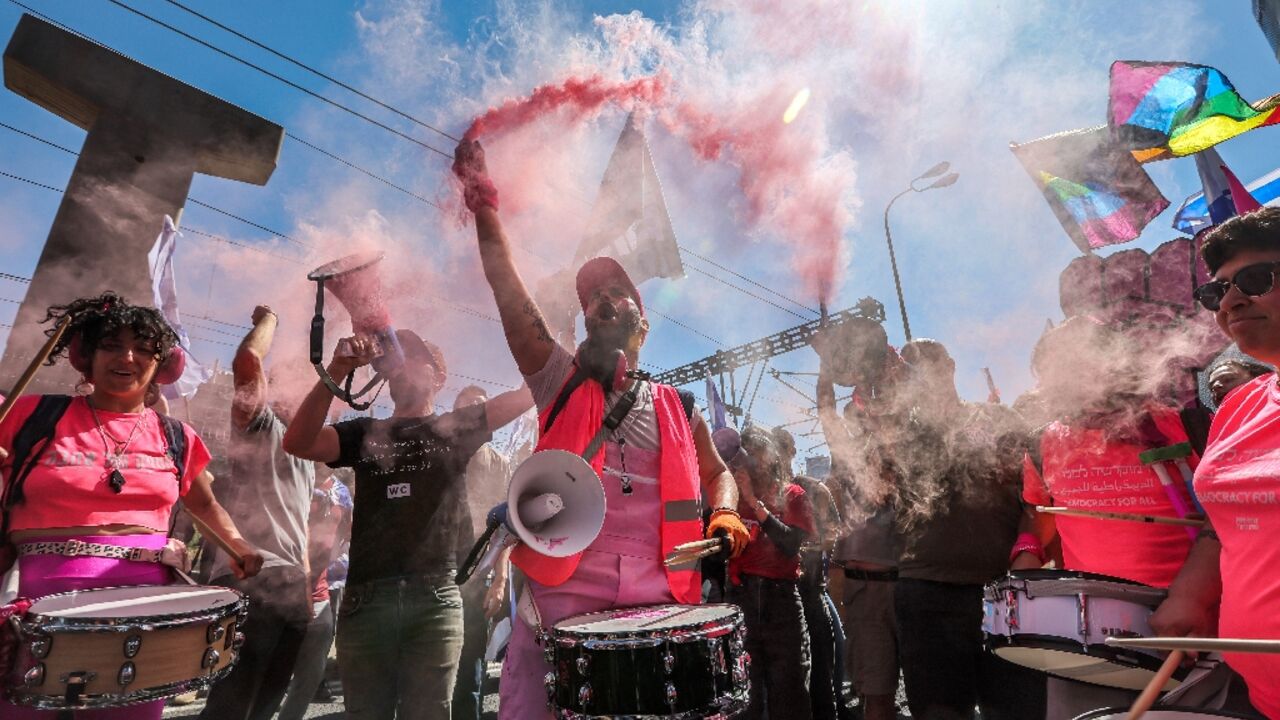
169 371
612 374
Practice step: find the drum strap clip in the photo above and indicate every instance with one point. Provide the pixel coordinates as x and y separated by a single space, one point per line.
76 683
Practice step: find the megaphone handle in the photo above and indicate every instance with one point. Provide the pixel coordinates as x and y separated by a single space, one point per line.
473 558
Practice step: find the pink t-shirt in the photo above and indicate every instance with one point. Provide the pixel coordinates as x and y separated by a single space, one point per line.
1239 485
69 485
1083 470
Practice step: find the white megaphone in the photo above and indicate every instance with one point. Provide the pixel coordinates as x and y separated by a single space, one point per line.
555 505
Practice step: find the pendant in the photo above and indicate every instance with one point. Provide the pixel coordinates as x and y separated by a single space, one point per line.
116 480
626 484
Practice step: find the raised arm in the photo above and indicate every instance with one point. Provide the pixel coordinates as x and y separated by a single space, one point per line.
502 409
307 436
522 321
246 369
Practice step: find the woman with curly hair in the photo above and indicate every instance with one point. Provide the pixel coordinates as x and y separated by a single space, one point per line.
106 477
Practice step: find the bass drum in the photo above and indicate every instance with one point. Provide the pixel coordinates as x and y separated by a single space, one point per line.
120 646
664 661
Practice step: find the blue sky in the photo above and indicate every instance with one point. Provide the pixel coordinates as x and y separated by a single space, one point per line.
979 260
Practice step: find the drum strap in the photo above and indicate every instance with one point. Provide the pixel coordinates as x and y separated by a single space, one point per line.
77 548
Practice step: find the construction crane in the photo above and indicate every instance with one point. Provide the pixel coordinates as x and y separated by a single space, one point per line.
724 362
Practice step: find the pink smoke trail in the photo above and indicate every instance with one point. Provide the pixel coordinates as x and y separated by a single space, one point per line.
581 97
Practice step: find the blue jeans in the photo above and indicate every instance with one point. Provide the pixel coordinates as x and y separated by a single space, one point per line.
398 645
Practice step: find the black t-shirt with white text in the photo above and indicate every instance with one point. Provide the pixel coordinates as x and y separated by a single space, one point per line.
410 495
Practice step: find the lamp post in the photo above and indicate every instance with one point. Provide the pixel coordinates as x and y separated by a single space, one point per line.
941 182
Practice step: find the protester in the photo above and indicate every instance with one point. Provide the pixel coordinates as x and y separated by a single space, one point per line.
763 580
868 550
1102 429
328 532
958 511
400 624
110 472
1230 374
826 639
268 493
1229 585
486 486
656 464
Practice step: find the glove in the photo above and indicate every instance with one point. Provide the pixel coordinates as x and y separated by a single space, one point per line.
730 524
478 190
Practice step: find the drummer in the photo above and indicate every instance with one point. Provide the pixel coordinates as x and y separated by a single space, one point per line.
1236 559
1088 460
111 471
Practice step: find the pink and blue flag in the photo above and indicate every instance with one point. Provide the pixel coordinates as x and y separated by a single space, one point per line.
1097 189
1224 196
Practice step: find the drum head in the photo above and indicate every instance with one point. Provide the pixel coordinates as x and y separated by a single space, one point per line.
1156 713
1044 574
131 602
652 619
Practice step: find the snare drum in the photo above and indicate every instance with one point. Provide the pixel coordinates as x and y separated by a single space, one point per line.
662 661
1169 713
1057 621
120 646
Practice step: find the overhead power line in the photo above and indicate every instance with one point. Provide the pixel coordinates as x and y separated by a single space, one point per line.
740 276
312 70
280 78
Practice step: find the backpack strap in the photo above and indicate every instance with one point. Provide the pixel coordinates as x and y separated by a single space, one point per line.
687 401
29 443
175 438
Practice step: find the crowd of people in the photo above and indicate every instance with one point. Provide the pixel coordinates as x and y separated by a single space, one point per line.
872 577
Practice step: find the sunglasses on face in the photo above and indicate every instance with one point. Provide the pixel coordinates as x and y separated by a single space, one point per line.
1254 281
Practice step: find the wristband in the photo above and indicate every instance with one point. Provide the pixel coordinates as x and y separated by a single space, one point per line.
480 192
1027 542
725 511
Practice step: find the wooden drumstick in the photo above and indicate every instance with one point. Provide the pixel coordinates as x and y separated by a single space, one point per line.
1156 686
217 539
680 558
1156 519
697 545
1195 644
33 367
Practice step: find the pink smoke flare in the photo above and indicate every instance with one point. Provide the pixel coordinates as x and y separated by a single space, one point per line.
582 98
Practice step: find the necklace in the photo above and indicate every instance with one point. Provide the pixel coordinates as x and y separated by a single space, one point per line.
619 434
114 460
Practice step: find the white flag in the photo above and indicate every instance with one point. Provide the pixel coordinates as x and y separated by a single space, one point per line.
164 292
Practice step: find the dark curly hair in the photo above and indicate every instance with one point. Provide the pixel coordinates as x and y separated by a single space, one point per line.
92 320
1257 230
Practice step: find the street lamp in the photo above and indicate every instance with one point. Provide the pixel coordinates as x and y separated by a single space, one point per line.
944 181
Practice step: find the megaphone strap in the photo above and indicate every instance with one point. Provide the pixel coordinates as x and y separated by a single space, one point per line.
613 419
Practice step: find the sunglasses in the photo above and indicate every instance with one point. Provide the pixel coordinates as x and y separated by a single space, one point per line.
1254 281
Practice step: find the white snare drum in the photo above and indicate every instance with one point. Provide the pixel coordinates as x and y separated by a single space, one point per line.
1171 713
1058 621
120 646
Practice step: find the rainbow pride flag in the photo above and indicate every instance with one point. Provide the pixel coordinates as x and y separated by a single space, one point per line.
1161 110
1095 186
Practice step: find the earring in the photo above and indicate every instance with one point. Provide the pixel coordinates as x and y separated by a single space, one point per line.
84 387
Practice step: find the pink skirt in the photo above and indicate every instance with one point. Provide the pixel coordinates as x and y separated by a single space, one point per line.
40 575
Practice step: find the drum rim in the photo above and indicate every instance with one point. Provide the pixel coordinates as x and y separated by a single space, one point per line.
1052 574
1206 712
725 706
1148 662
39 622
735 613
103 700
